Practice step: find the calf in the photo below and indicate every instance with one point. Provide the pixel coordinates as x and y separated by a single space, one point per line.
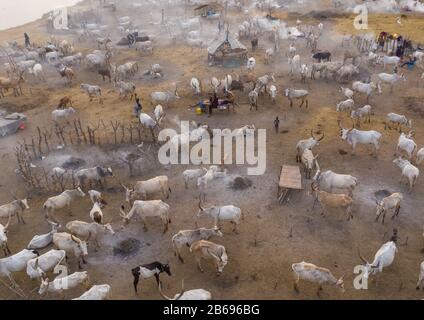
408 171
96 213
398 120
188 237
345 105
146 271
96 197
92 91
64 102
14 208
406 144
363 112
62 113
347 92
193 174
312 273
210 251
391 202
293 94
332 200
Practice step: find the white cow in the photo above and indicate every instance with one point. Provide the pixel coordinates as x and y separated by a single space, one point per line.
97 292
408 171
38 267
144 209
382 259
218 214
406 144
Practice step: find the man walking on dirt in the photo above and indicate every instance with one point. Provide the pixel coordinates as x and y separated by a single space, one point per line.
27 42
277 124
137 107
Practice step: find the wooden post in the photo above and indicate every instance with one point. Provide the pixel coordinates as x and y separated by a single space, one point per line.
40 139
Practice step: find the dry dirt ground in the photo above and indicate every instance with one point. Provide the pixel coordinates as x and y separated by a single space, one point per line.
271 237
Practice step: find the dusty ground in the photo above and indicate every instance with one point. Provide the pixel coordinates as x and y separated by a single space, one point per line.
272 237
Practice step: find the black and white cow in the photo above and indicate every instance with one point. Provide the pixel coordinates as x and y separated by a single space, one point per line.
149 270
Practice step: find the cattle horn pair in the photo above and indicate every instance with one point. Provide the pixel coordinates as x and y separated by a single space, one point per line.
361 257
8 222
74 239
320 139
200 205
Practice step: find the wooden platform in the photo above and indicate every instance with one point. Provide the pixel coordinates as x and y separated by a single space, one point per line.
290 179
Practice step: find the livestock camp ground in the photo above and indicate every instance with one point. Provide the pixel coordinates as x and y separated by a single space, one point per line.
271 236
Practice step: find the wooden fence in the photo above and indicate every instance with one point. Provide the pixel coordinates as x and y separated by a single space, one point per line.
111 134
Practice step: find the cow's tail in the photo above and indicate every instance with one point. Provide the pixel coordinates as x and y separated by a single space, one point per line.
46 211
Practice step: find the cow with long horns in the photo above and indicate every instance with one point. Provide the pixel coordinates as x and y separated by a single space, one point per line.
353 137
310 143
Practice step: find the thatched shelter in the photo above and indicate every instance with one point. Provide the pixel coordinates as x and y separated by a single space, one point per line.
206 9
225 49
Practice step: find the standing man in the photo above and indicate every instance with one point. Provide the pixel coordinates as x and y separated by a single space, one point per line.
210 106
27 42
277 124
137 107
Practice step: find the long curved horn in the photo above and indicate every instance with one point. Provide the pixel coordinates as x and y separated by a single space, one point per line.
74 239
161 293
8 221
361 257
123 186
312 134
122 212
182 291
200 205
323 136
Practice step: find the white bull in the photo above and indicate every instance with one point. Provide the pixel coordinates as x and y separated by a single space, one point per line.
143 189
354 137
226 213
144 209
329 181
